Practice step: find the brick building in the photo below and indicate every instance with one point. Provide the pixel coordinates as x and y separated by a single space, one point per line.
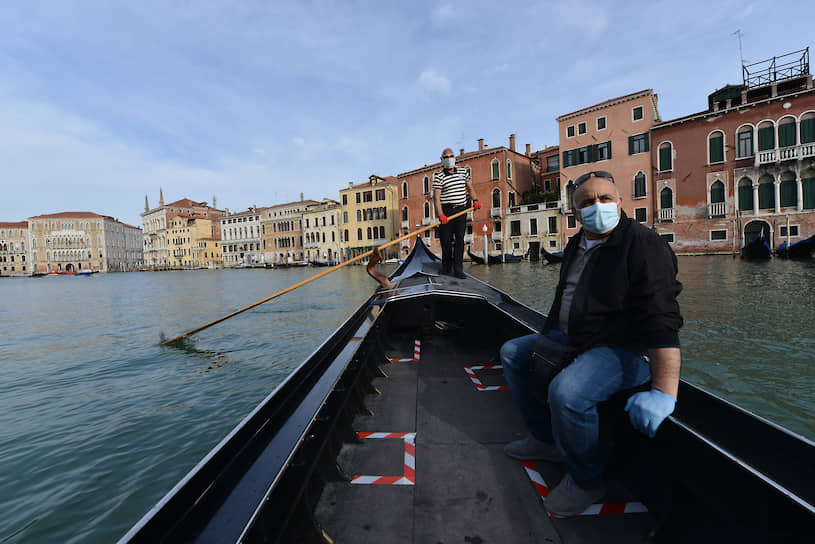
742 167
500 177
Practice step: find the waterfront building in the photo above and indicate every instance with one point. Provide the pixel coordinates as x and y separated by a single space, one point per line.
282 231
241 238
742 167
369 216
614 136
321 231
76 241
541 217
14 241
156 225
501 177
191 244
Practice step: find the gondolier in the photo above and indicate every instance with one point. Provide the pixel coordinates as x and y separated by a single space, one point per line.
451 185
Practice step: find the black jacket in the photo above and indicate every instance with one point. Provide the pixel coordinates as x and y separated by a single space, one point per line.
627 293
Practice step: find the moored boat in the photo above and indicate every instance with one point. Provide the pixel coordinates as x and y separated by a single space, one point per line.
393 430
556 257
802 249
511 258
757 249
474 258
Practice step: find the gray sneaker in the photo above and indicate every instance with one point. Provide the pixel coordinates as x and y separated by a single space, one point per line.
569 499
532 449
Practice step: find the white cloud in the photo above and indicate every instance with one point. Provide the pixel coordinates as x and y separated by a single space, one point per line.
443 13
434 81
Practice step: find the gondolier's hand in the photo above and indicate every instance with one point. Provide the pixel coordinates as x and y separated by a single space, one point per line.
443 219
648 409
476 205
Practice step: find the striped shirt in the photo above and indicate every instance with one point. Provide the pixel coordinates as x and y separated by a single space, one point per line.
453 186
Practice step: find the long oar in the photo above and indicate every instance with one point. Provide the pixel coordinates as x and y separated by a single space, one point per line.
314 277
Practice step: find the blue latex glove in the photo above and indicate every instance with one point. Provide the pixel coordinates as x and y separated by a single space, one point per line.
648 409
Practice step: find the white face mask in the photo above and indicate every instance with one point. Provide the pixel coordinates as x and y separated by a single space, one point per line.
448 162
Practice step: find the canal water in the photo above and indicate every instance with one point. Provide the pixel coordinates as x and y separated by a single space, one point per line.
98 421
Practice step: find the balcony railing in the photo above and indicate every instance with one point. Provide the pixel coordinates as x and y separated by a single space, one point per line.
468 238
495 212
496 237
405 224
404 243
666 215
426 221
717 209
550 205
769 156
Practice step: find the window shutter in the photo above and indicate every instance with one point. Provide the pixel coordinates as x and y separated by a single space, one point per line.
808 131
786 135
789 193
766 140
717 192
630 145
808 186
766 196
716 149
745 198
608 148
665 159
647 137
666 198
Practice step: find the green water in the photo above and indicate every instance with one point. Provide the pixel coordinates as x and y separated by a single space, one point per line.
98 422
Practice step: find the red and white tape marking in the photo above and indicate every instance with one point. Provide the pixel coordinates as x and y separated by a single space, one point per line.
470 370
417 349
409 477
594 509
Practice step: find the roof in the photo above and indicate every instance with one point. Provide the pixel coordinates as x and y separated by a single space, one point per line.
607 103
187 203
459 158
130 226
83 215
14 225
307 202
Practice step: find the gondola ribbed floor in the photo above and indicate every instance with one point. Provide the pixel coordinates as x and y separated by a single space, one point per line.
461 487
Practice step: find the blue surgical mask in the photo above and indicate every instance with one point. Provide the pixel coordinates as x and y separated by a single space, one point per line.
448 162
600 217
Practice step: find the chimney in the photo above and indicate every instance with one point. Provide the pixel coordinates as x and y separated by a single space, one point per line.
301 197
461 152
528 149
512 142
350 184
481 144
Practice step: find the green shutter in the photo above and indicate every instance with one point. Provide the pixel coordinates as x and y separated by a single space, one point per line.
766 196
766 139
808 131
630 145
592 152
809 193
666 198
608 146
789 193
496 172
647 138
786 135
665 159
717 192
745 198
716 149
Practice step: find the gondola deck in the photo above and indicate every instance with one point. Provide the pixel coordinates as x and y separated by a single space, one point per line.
301 468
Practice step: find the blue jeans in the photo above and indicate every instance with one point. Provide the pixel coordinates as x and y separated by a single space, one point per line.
569 418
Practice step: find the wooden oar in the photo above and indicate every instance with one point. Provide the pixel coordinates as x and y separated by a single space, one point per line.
315 276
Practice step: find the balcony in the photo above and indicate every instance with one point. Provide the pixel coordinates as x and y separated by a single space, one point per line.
496 236
469 216
666 215
406 224
795 152
426 221
717 209
405 244
495 212
468 238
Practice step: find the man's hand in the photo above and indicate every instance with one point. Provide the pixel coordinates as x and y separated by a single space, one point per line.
443 219
648 409
476 205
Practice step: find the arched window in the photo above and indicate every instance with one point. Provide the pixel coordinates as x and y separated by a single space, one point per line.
788 190
496 169
808 185
639 184
359 215
426 185
404 189
665 157
382 233
384 212
570 193
369 233
666 198
509 169
786 132
808 128
427 209
496 198
405 213
766 193
359 234
766 136
717 192
715 147
345 235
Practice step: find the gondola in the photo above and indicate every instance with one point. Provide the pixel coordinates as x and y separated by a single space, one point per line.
510 258
393 431
494 259
556 257
757 249
802 249
474 258
323 263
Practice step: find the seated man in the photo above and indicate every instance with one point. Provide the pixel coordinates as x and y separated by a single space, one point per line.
616 303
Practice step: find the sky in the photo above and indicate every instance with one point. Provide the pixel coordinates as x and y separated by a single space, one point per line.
254 102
